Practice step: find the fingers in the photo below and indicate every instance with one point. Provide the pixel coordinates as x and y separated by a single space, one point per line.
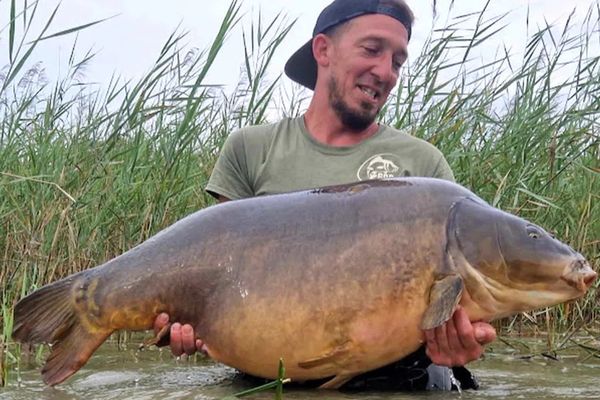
438 345
455 342
176 340
464 334
188 340
430 343
183 340
458 341
443 345
201 347
160 322
182 337
484 332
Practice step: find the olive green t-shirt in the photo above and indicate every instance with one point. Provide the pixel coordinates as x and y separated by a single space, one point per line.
284 157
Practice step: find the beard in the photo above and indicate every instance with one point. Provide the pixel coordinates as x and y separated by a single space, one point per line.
355 120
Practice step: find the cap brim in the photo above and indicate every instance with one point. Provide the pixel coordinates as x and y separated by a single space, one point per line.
302 66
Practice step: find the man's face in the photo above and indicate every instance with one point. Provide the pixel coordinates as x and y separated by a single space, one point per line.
365 62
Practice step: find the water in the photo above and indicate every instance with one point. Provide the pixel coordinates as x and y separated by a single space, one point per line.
113 374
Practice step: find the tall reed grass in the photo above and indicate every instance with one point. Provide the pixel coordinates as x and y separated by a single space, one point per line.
86 174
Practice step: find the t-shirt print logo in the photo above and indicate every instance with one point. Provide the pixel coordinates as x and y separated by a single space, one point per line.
377 167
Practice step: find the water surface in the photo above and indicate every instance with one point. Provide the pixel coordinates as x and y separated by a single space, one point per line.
120 374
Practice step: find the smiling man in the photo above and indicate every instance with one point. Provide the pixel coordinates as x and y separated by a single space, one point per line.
352 62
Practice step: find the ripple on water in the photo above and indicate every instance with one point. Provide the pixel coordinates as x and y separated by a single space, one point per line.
153 375
97 380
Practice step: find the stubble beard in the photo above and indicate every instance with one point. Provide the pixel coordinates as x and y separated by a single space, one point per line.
355 120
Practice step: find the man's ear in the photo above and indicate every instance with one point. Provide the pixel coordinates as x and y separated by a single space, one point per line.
321 47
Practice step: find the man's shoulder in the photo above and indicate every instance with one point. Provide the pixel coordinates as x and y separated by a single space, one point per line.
259 133
254 143
403 137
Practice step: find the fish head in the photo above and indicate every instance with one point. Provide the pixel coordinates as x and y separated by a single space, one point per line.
517 264
532 256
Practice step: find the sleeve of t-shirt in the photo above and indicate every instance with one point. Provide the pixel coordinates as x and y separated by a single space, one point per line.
442 170
230 177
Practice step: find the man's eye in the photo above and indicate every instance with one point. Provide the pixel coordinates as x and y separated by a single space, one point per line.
370 50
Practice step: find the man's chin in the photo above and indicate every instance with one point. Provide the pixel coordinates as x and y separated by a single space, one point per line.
357 123
356 119
367 111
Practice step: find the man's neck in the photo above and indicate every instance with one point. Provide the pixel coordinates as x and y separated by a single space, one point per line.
326 127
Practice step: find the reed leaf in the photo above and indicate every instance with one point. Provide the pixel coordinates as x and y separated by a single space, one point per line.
88 173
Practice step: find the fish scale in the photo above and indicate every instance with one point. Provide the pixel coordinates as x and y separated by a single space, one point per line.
337 281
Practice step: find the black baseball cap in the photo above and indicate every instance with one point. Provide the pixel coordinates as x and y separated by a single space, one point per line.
302 66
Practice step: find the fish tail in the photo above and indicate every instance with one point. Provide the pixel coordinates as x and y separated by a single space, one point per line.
48 316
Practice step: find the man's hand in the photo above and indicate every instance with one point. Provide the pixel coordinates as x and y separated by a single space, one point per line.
182 338
458 341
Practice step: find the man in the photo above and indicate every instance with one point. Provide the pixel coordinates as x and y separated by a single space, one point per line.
352 63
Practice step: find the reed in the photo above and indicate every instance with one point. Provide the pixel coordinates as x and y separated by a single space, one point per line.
523 134
86 174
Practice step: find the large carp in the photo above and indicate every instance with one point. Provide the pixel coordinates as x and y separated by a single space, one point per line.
336 281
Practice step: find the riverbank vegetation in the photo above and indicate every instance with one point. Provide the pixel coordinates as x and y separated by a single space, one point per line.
87 173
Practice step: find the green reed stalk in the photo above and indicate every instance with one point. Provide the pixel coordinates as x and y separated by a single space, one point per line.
86 174
524 137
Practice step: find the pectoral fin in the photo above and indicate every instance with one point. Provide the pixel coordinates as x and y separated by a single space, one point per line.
327 358
443 299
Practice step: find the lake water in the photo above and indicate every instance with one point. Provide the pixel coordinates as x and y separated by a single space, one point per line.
154 374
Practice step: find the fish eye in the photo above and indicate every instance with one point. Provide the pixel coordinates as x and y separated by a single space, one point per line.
533 232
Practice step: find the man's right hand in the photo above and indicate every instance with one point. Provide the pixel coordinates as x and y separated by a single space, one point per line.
182 338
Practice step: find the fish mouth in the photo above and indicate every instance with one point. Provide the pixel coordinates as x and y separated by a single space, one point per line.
579 275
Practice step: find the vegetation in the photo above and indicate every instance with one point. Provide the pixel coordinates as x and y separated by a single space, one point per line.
86 174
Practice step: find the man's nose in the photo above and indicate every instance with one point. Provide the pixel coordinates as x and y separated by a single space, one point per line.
384 70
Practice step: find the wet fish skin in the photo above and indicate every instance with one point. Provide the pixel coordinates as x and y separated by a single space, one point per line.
336 280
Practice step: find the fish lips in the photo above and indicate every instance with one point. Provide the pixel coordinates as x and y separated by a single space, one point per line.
579 275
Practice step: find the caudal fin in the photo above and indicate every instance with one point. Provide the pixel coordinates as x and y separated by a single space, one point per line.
48 316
